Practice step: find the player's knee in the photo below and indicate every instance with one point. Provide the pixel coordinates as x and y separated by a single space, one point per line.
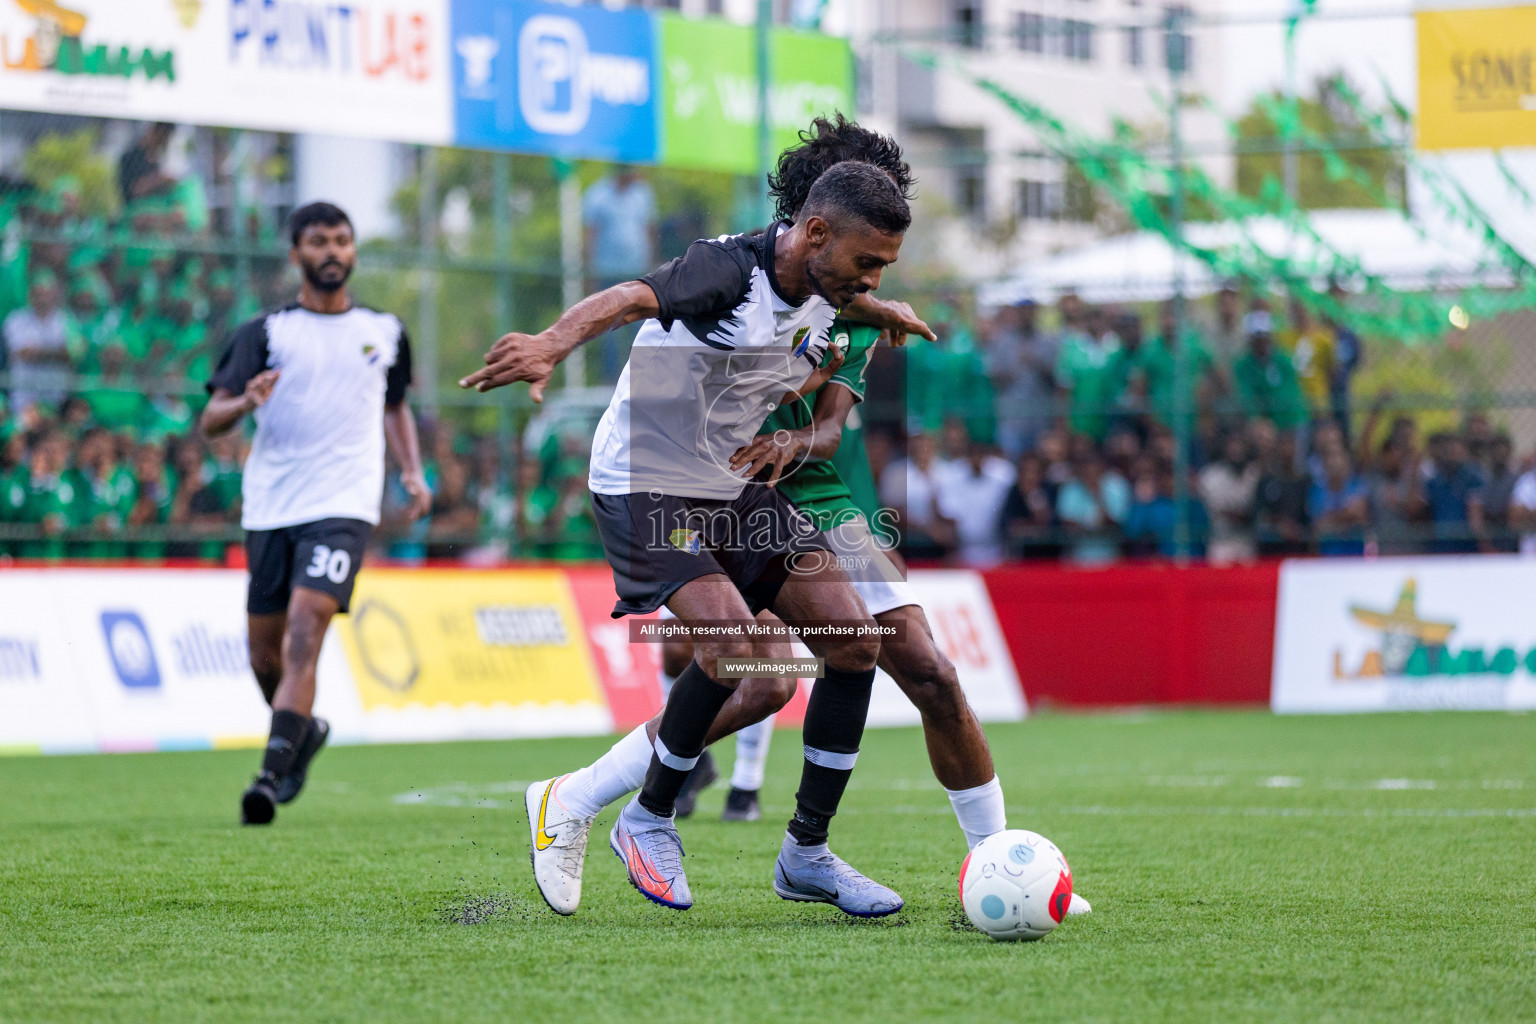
305 635
766 695
710 655
266 661
857 653
933 686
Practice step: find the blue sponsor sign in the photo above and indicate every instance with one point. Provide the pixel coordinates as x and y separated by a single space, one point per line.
549 78
133 656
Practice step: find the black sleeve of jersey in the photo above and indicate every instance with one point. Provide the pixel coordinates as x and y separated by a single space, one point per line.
707 280
399 376
244 357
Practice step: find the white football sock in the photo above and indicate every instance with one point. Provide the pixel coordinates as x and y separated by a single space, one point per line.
610 777
980 810
752 755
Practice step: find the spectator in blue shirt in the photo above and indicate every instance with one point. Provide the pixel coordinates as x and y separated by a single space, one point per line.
1092 505
1338 507
618 215
1447 495
1151 526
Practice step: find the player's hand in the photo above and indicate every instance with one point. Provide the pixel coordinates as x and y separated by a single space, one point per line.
415 485
519 357
259 388
905 321
777 449
823 373
896 317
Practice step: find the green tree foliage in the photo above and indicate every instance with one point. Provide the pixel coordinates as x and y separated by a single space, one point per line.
76 155
1357 172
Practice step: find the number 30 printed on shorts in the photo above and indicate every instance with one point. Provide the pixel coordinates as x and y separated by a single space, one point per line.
333 565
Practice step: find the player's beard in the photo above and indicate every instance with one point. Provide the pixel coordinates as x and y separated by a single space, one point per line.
312 275
814 268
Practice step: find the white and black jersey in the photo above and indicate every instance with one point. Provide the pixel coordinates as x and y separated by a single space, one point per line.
319 446
704 375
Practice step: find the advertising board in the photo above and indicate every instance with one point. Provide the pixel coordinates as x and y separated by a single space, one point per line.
1399 634
366 68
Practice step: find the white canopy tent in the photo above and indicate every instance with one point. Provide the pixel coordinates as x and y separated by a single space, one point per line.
1139 267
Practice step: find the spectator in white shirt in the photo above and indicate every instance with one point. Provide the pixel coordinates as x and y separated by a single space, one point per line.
911 487
972 494
37 341
1522 511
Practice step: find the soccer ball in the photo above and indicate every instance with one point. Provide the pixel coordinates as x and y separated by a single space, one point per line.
1015 885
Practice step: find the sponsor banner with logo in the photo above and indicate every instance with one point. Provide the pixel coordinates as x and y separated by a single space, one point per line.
553 78
450 654
1477 78
366 68
1397 634
709 90
126 660
156 659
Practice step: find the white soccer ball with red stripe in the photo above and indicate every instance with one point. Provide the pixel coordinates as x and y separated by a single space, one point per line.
1016 885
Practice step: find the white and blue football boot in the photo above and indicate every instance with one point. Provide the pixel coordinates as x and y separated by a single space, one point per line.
814 874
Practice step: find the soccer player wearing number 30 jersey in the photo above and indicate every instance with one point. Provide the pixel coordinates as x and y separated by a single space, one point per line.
326 382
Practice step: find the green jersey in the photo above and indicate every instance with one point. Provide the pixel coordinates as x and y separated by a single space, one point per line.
1095 374
818 487
1156 361
47 501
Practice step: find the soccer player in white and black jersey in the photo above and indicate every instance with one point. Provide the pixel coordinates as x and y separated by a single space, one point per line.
326 381
730 328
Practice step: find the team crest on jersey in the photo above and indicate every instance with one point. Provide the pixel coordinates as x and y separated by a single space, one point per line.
802 341
686 541
372 352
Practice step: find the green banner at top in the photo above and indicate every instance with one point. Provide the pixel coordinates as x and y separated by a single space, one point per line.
709 90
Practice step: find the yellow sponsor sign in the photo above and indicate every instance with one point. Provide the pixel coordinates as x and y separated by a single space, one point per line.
450 637
1477 78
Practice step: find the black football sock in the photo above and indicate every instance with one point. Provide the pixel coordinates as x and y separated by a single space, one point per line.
288 729
691 708
834 725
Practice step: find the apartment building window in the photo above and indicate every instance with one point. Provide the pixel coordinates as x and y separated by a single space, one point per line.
972 199
1135 35
1178 45
1070 38
968 25
1037 200
1029 32
1077 38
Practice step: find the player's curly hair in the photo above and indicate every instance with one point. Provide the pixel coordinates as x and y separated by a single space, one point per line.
830 141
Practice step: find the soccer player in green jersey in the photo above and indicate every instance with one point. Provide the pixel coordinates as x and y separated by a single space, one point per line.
802 437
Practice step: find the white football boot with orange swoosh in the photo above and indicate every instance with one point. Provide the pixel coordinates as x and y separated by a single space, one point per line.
652 854
559 845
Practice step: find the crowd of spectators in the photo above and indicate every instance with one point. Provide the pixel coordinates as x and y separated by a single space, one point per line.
1070 449
1013 440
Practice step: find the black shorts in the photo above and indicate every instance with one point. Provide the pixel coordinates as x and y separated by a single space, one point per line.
657 542
324 555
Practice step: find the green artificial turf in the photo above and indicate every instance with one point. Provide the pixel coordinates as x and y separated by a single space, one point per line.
1241 867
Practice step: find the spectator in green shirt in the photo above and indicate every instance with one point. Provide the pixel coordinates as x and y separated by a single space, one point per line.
1090 371
1264 376
39 494
105 493
1156 365
114 396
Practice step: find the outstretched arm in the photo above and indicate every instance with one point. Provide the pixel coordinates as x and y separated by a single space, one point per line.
533 357
896 317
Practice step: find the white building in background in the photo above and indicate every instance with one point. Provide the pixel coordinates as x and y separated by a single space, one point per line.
1001 196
